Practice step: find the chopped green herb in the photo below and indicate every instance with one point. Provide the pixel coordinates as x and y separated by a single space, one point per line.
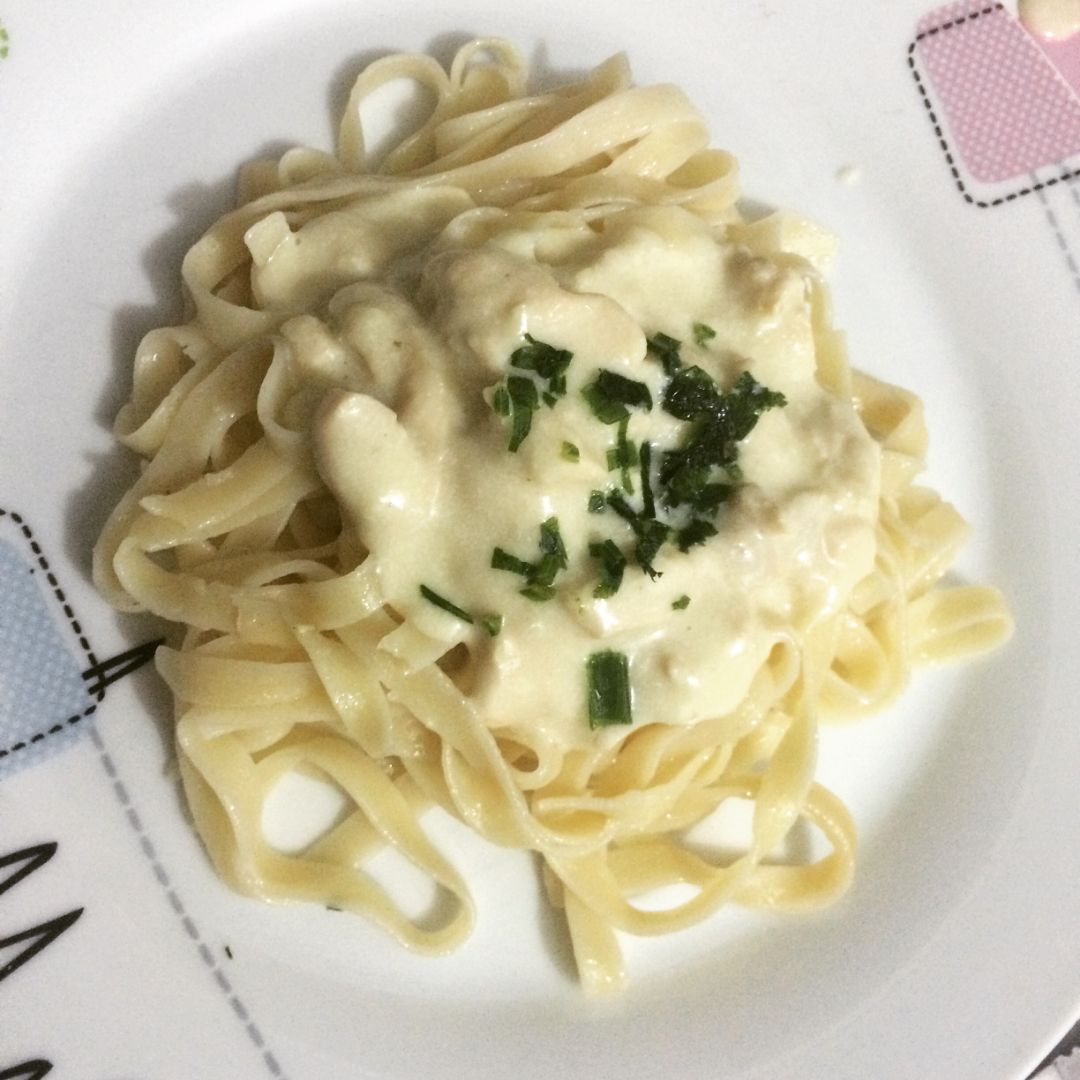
666 349
618 503
521 396
623 456
682 603
703 333
545 570
610 394
619 388
651 539
721 420
524 401
540 575
547 361
697 532
691 392
608 678
604 408
570 452
538 593
441 602
709 498
597 502
493 624
503 560
651 533
648 503
551 542
612 565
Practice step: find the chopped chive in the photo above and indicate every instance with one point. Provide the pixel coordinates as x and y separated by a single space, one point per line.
666 349
682 603
524 401
441 602
538 593
652 536
651 533
551 542
540 575
623 457
617 501
570 452
648 502
545 571
492 624
503 560
597 502
703 333
608 679
500 400
612 565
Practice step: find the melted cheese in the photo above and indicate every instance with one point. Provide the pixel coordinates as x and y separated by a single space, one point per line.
405 437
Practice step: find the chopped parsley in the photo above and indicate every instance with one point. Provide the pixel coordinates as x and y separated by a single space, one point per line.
441 602
720 420
681 604
608 678
493 624
697 532
570 452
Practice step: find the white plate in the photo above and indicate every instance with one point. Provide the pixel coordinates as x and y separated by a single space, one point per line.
956 954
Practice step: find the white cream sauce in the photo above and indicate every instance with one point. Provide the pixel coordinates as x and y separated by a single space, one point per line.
404 364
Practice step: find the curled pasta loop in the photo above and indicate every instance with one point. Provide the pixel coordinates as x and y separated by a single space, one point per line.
294 661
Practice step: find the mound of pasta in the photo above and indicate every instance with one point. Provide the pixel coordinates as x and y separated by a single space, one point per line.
524 477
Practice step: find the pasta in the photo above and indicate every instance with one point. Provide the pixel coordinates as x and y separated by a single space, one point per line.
522 476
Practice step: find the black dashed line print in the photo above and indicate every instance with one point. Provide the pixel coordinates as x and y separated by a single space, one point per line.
983 204
186 921
1059 237
98 675
76 627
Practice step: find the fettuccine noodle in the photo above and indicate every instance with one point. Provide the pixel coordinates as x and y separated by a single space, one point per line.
330 475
